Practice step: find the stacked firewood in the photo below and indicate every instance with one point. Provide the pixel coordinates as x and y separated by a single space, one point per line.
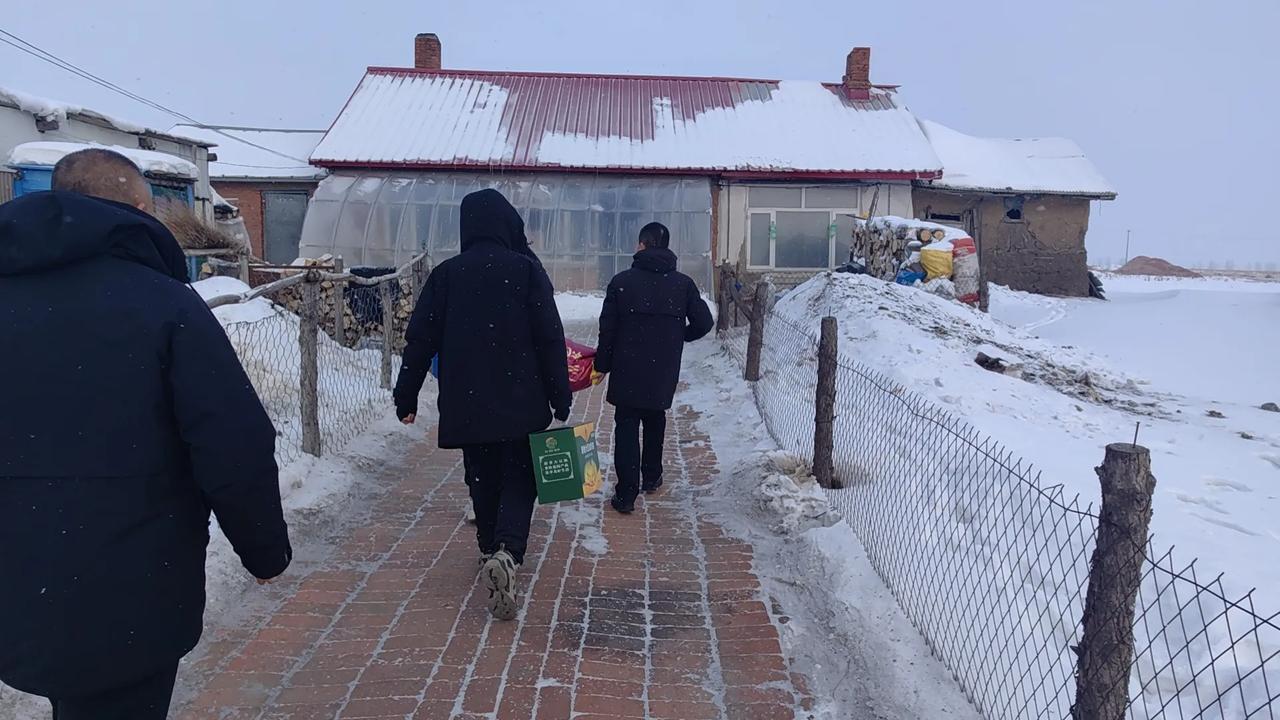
361 305
881 247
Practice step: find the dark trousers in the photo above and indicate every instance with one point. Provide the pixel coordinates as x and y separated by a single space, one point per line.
503 491
630 463
147 699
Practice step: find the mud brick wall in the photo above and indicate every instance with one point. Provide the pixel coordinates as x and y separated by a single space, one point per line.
1043 252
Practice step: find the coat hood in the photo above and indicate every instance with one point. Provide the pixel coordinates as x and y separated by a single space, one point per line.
46 230
658 260
486 215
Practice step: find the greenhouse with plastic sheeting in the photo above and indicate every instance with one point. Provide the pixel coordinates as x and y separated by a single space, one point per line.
584 227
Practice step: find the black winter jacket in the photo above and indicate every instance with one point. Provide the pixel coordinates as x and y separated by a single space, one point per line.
126 417
490 314
649 313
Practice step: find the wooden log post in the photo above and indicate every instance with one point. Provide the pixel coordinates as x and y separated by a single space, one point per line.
244 267
339 305
388 329
755 341
1106 649
723 299
309 370
824 420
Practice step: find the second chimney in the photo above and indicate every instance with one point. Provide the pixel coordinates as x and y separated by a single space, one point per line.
857 74
426 51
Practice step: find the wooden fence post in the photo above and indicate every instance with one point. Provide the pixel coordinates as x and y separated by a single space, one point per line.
309 370
1106 645
755 341
388 329
244 267
825 408
723 300
339 305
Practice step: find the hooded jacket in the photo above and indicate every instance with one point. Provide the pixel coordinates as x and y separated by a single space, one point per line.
649 313
490 315
126 418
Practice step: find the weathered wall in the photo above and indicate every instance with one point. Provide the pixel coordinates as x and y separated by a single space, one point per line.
17 127
1043 253
248 197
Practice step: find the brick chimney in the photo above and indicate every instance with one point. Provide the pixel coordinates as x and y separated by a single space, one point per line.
426 51
857 74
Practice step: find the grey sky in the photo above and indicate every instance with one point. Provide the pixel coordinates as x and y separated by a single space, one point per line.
1174 101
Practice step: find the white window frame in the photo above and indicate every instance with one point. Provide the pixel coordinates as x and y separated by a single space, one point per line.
772 212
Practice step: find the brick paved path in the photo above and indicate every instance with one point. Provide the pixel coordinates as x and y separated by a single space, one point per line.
668 623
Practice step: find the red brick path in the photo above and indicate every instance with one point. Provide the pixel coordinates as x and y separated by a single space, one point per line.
669 623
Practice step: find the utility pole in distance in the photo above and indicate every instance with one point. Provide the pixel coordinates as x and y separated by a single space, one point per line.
1127 233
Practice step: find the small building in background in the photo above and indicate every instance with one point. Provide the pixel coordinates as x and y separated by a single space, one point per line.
1025 201
265 174
36 132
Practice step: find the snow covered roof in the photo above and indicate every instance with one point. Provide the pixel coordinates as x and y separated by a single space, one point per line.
148 161
258 153
57 110
530 121
1030 165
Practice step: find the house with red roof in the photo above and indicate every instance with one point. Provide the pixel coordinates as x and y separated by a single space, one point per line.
767 175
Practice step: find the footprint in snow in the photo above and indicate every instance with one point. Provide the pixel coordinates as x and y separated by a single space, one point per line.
1224 484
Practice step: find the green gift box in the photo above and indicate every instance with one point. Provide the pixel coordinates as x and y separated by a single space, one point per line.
566 464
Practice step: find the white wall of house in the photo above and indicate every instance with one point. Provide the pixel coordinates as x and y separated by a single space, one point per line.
18 126
787 222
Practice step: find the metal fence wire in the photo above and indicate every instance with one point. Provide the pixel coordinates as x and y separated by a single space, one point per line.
993 567
355 357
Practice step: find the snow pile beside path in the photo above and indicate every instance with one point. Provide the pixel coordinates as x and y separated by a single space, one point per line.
844 631
579 306
788 492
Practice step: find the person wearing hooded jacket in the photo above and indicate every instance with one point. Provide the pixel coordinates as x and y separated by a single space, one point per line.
649 313
126 419
489 316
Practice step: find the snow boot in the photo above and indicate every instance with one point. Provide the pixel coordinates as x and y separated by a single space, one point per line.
499 574
626 508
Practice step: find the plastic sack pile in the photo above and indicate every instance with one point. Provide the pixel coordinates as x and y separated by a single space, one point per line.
937 258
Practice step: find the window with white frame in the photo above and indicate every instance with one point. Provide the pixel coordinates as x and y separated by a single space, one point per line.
800 228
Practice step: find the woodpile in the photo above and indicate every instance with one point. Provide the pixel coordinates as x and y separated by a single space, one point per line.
361 307
881 247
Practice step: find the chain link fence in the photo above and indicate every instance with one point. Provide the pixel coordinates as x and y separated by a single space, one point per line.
322 348
993 567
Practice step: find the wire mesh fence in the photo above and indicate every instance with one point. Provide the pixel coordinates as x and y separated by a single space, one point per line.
992 566
351 344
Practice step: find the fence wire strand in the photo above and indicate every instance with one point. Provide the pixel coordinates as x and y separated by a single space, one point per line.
992 566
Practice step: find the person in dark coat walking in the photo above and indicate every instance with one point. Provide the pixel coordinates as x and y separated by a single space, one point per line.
126 419
649 313
490 315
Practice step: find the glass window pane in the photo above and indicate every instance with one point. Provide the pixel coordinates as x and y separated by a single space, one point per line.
444 232
318 228
576 192
774 197
426 189
571 234
840 198
759 240
802 240
695 194
335 187
545 193
843 244
464 185
539 227
666 194
629 224
637 195
415 227
605 195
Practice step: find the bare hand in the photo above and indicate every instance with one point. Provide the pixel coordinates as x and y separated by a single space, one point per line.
408 419
268 581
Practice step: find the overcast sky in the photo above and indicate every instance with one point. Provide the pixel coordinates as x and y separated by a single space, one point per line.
1174 101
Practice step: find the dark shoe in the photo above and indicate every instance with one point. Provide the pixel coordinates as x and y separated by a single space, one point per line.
651 488
626 508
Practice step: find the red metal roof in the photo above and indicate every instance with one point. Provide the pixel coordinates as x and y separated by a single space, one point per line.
532 121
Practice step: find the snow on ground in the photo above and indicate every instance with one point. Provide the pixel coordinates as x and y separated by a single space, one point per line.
1162 358
848 636
579 306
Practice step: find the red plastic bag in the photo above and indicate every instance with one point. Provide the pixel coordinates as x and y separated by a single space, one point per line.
582 360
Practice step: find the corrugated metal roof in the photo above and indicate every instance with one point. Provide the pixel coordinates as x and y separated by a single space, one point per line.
461 119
